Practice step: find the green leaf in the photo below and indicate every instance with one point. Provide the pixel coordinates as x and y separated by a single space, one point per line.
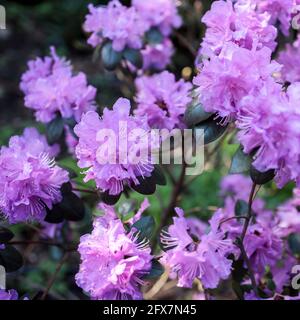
55 130
156 271
212 130
241 162
147 185
195 114
145 226
55 215
294 243
5 235
159 176
154 36
10 259
134 56
261 177
110 57
241 208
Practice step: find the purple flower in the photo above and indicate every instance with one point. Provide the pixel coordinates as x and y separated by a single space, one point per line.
192 255
114 148
162 99
269 123
236 73
9 295
290 59
113 262
157 56
51 89
237 23
263 247
159 13
30 181
280 11
120 24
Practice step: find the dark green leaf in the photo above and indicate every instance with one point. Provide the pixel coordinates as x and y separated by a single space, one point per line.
261 177
110 199
55 215
195 114
241 208
154 36
156 271
134 56
110 57
71 122
241 162
72 207
55 130
5 235
159 176
294 243
212 130
147 186
145 226
10 259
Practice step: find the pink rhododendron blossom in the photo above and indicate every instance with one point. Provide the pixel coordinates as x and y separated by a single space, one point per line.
162 99
236 23
30 181
191 256
113 262
269 124
50 88
290 60
224 80
9 295
111 149
122 25
157 56
159 13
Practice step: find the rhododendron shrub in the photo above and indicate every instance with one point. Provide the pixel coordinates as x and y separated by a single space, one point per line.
86 186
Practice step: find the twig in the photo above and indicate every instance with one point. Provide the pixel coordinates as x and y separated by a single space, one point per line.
53 278
184 42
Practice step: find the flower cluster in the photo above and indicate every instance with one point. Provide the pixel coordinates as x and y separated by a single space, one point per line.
51 89
192 255
113 260
240 83
265 241
237 23
30 181
290 60
111 148
9 295
127 27
162 99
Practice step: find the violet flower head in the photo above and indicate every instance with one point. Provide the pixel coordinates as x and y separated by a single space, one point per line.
30 181
113 262
161 14
224 80
163 99
50 88
237 23
290 60
157 56
114 148
9 295
191 255
269 123
120 24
